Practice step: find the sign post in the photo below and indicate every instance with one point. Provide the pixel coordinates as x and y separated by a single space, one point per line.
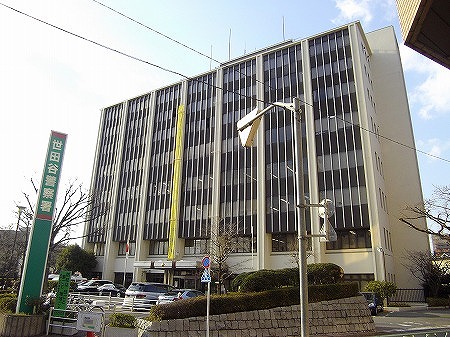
37 250
206 278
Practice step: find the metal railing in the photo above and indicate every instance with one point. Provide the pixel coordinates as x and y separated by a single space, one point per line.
408 296
112 303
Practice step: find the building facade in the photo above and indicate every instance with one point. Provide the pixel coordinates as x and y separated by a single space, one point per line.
176 181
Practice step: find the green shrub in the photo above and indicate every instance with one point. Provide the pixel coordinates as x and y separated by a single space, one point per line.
324 273
383 289
239 301
121 320
262 280
236 283
438 301
8 303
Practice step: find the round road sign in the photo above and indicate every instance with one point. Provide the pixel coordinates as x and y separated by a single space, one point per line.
206 262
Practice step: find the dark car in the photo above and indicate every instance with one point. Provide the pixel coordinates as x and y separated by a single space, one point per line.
178 294
91 286
113 289
375 303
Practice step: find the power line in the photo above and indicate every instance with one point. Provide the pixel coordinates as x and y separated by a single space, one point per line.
391 140
198 80
128 55
156 31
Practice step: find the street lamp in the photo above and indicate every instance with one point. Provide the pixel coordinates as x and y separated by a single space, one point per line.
247 127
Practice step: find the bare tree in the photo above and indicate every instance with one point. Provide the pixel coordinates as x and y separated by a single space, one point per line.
74 207
436 210
294 253
427 268
225 240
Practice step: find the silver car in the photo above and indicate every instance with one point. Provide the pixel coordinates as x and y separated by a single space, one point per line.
145 294
178 294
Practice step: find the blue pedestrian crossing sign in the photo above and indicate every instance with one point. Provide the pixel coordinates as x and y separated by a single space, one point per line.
206 276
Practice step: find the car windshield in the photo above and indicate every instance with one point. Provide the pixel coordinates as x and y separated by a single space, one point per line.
369 296
172 293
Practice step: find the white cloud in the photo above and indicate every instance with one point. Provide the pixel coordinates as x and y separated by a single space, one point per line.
434 147
365 11
350 10
431 93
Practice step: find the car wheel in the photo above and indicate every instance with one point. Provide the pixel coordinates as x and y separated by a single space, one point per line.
118 294
373 311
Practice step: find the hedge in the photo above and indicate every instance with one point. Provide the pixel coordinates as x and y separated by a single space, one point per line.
238 301
8 302
121 320
318 273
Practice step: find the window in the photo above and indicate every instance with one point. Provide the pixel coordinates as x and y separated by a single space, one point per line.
99 249
123 248
196 247
284 242
158 247
351 239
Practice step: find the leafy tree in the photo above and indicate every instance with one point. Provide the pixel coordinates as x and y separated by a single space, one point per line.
383 289
435 210
430 270
75 258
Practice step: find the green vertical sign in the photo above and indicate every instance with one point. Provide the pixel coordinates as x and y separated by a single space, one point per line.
62 292
37 251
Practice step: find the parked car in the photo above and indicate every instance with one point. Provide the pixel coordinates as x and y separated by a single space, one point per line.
76 278
178 294
375 303
145 294
91 286
114 289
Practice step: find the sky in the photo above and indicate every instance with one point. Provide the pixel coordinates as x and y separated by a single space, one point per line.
53 80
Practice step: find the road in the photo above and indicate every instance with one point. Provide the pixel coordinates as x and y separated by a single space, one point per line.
401 322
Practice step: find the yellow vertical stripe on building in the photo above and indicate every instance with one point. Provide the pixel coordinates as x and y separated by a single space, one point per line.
176 183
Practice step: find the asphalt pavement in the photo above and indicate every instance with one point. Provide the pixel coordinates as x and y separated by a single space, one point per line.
413 321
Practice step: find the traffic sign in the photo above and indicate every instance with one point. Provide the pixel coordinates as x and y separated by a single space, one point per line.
206 262
206 276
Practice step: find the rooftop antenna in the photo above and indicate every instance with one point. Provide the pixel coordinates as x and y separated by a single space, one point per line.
210 60
229 46
284 37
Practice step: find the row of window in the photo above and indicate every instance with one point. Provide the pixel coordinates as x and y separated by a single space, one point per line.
105 169
281 242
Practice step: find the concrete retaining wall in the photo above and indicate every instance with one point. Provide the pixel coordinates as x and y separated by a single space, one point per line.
345 316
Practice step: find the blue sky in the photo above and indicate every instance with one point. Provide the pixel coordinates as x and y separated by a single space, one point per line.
50 80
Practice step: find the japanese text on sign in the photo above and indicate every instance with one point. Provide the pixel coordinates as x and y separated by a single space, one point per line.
50 177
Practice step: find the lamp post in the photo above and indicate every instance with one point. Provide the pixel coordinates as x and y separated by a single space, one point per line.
247 127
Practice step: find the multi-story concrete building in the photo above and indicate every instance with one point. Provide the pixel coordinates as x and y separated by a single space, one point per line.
170 167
